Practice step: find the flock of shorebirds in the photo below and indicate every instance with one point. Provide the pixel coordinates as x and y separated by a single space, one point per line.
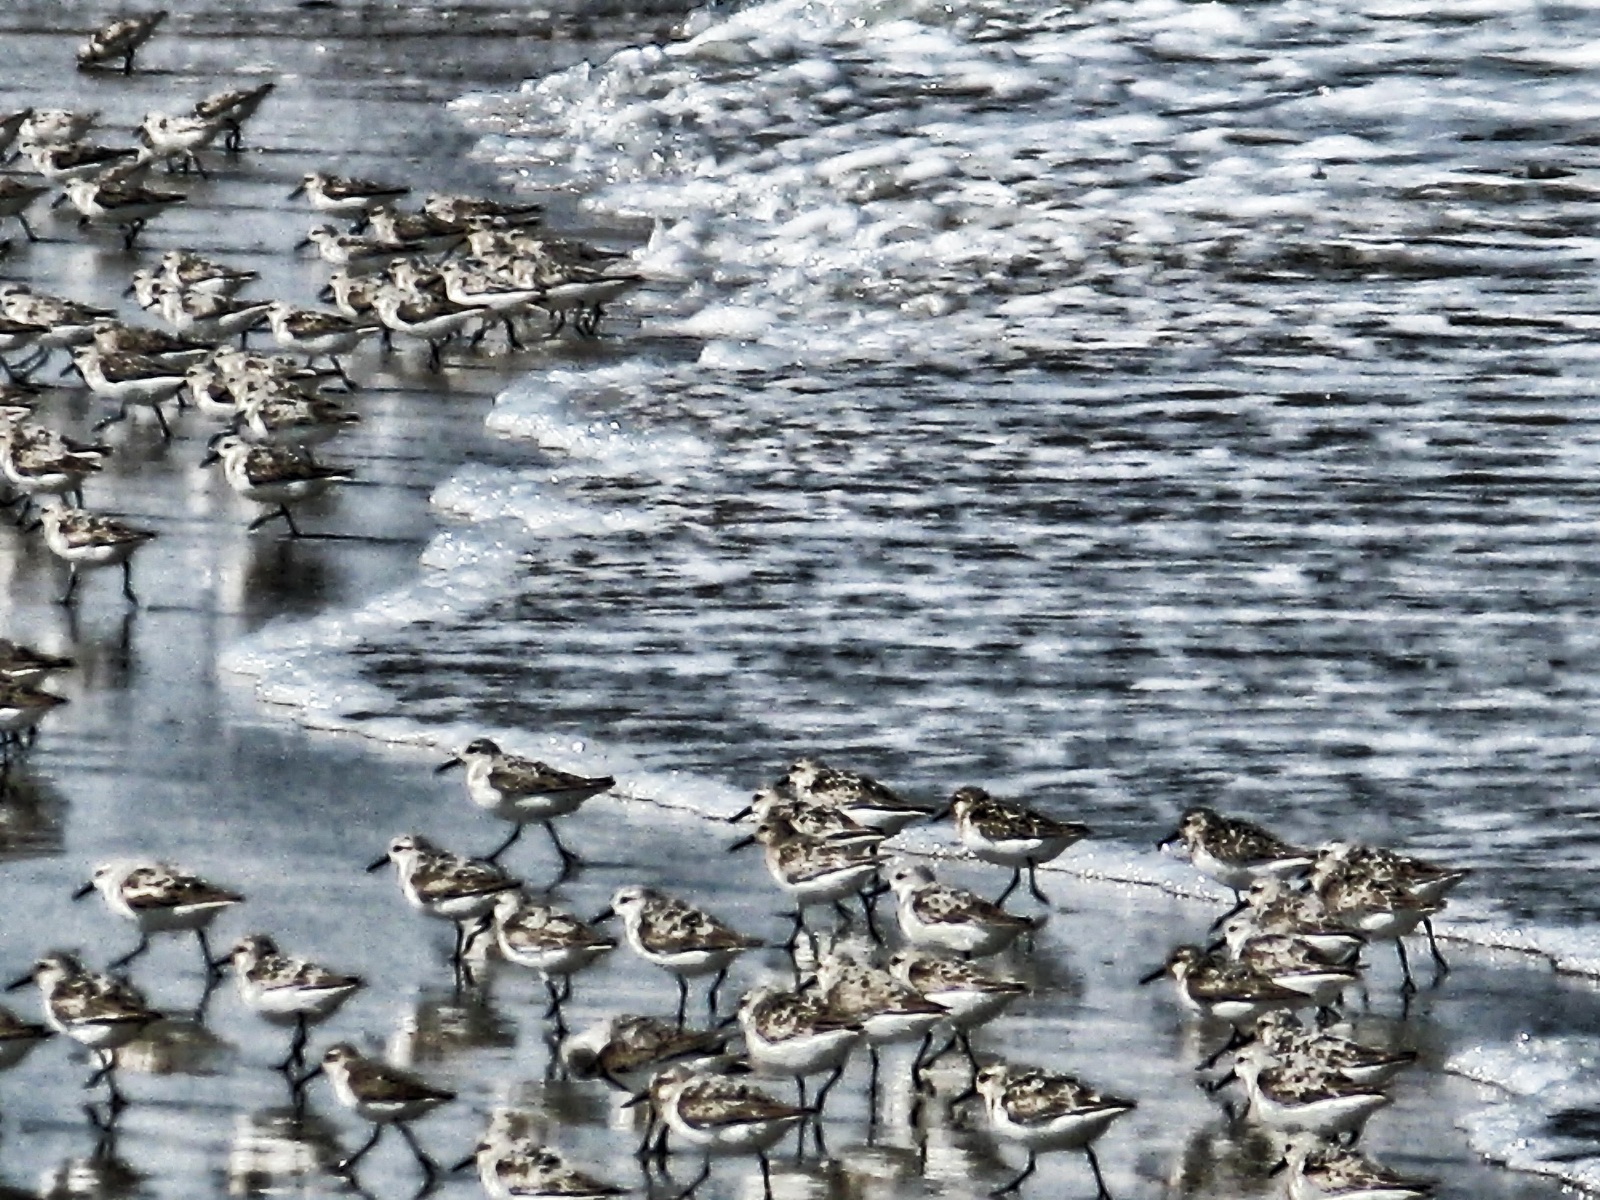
1292 944
459 265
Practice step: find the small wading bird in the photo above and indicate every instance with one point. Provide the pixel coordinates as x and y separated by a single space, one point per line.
159 898
523 791
381 1094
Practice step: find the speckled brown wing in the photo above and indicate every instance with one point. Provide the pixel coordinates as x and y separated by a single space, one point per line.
160 887
999 821
450 875
1035 1097
674 927
639 1041
379 1082
526 776
1242 843
947 906
710 1103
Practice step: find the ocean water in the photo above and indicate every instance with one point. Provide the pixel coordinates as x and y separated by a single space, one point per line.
1123 406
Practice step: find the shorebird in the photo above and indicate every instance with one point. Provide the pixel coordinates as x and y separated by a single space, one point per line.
544 939
1233 852
787 1033
523 791
119 39
120 204
381 1094
450 887
1012 835
15 197
101 1012
1320 1171
73 161
271 475
345 195
288 991
208 314
1045 1111
193 273
940 917
866 800
970 996
477 210
19 1037
720 1116
889 1011
1300 1099
84 539
130 379
159 898
627 1051
317 334
178 138
232 108
285 415
38 465
22 707
814 870
679 938
428 319
525 1171
55 126
1224 991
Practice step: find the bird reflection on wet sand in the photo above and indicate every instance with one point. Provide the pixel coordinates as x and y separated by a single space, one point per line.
101 1175
279 1149
443 1025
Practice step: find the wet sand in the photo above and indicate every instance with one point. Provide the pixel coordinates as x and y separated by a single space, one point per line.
161 754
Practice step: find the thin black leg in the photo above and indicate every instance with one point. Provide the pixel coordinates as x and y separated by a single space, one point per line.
766 1176
516 832
72 584
297 1047
144 944
569 860
212 969
430 1169
1033 883
716 986
1442 968
683 1000
127 586
1409 985
1101 1191
345 1166
705 1174
1016 878
1033 1162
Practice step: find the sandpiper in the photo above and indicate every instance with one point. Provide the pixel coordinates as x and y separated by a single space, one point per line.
209 314
346 196
55 126
159 898
73 161
232 108
15 197
524 1171
721 1116
1224 991
888 1010
35 468
113 337
130 379
101 1012
970 996
545 939
119 39
863 797
85 539
288 991
1289 1042
477 210
317 334
679 938
448 886
433 320
271 475
1234 852
289 416
940 917
178 139
22 707
1320 1171
1303 1100
788 1033
381 1094
1011 834
814 870
1045 1111
626 1051
803 817
523 791
124 205
193 273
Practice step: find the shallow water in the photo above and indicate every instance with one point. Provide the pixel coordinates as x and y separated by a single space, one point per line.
1081 439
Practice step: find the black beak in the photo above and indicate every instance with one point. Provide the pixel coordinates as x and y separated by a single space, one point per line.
637 1099
747 810
468 1161
1282 1166
1169 839
325 293
86 890
942 814
449 764
730 1019
1215 946
742 843
302 243
806 984
378 864
1153 976
16 985
299 190
211 457
128 291
600 918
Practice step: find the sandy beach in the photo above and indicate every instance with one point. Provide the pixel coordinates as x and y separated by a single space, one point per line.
161 753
